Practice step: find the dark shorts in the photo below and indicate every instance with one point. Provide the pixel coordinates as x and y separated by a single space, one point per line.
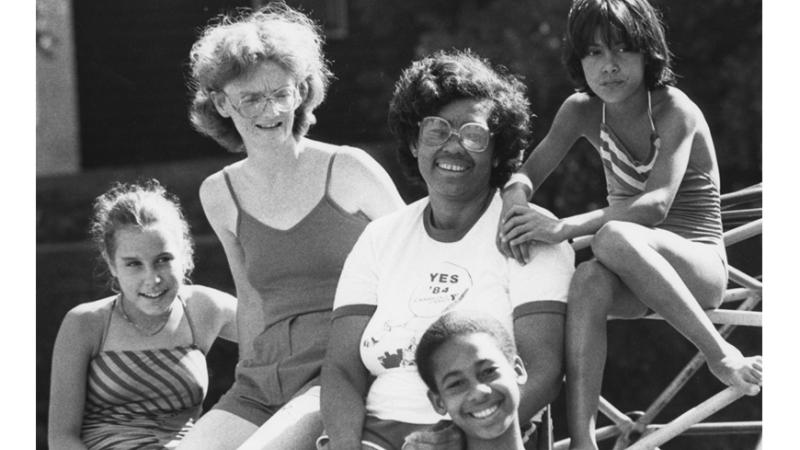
246 403
379 434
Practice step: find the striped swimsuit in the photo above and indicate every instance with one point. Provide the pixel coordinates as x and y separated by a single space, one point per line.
695 211
143 399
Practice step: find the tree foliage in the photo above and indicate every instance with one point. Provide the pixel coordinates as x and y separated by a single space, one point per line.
717 44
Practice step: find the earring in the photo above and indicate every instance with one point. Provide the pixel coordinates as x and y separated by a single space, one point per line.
115 285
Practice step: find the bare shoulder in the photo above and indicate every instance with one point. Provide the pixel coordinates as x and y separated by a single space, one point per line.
89 312
581 104
578 112
207 297
319 146
673 107
212 188
347 158
83 325
217 200
212 311
354 161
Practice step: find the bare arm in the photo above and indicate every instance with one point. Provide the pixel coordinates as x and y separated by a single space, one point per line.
225 307
540 343
73 349
344 384
677 130
213 313
221 213
361 184
543 286
568 126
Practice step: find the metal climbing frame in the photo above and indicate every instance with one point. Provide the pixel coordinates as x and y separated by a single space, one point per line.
636 431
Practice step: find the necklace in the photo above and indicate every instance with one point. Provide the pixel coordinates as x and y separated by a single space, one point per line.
143 330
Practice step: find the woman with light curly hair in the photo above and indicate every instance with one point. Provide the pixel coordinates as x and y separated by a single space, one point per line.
287 215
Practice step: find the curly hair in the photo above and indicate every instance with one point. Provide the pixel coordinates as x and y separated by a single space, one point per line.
138 205
432 83
232 45
451 325
636 23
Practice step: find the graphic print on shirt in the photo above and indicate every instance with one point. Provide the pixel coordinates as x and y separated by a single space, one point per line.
438 290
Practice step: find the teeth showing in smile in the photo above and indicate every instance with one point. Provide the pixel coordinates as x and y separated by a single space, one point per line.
485 412
153 295
452 167
270 126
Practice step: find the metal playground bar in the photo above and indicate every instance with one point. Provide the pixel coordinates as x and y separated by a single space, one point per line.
637 431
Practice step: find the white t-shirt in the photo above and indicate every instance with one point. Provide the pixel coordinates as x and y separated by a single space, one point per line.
405 280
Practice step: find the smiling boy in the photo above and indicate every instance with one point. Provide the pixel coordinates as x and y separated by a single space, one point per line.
473 373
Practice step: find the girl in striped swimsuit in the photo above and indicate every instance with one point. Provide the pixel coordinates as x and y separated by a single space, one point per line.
658 244
129 370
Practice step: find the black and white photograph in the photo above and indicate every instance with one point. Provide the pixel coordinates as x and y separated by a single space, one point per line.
405 225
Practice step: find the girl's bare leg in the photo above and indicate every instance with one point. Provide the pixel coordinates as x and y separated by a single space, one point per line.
677 278
594 294
639 267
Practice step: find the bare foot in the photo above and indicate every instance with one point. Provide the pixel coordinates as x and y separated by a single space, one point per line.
735 370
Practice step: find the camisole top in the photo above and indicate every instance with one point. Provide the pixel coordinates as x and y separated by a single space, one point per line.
695 211
143 399
295 272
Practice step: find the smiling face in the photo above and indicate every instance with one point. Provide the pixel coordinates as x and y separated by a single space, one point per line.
147 263
613 71
450 171
477 386
272 127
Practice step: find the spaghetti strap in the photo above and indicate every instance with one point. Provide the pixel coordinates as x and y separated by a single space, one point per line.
230 188
650 112
188 320
107 326
604 113
328 175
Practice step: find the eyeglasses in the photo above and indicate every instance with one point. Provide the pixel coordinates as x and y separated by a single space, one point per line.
253 105
434 131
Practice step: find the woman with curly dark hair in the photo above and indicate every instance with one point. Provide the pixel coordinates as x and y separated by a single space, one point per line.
462 126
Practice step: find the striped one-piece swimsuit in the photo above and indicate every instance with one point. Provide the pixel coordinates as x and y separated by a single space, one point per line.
143 399
695 210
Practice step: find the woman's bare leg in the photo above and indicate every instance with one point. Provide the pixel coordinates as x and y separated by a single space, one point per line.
295 426
218 430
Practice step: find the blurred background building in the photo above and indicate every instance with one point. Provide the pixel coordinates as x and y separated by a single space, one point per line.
112 105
